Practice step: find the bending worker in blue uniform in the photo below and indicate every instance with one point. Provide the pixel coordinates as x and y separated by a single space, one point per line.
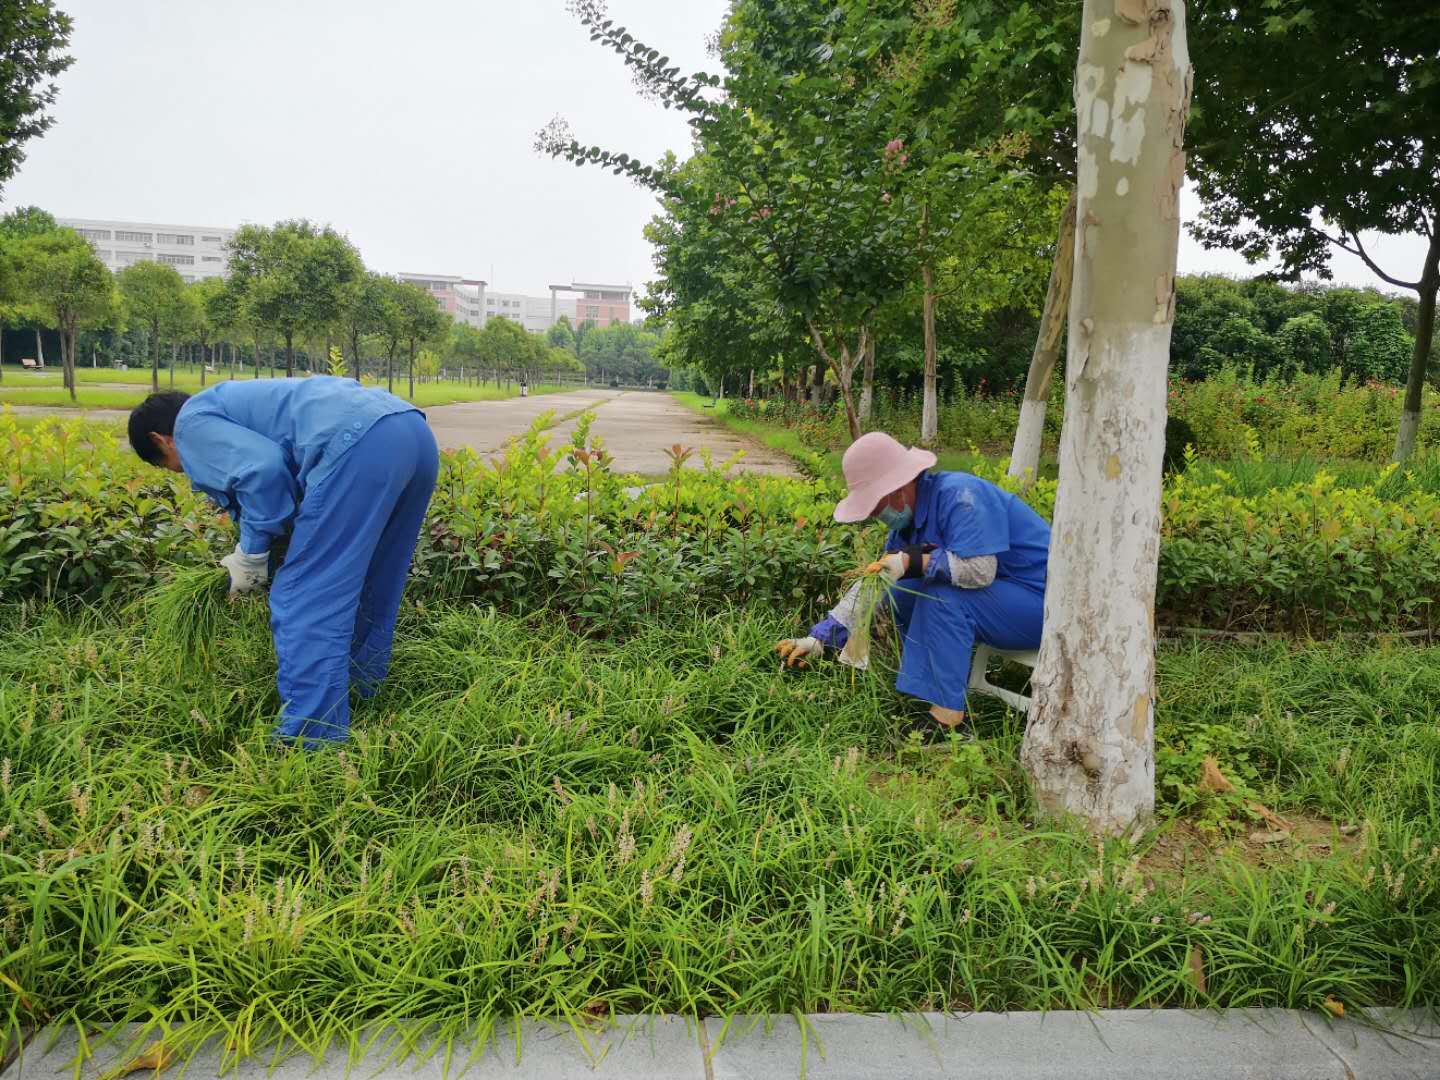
346 471
966 562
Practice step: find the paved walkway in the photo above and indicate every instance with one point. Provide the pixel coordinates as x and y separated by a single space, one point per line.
486 426
1244 1044
107 415
637 427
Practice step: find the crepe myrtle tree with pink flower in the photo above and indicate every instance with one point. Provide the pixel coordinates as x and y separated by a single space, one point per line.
859 145
796 166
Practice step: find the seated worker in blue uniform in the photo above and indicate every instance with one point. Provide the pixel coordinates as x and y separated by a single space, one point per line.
966 562
348 473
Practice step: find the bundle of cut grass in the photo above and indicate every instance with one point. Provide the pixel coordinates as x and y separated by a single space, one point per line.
190 611
871 593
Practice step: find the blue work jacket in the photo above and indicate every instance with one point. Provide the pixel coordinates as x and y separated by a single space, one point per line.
962 515
255 447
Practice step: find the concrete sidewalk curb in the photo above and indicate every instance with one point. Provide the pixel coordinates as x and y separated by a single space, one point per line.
1245 1044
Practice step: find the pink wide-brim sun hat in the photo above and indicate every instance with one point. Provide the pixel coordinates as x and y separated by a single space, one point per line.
875 466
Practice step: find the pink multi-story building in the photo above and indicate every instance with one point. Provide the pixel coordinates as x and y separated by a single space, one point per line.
602 304
468 300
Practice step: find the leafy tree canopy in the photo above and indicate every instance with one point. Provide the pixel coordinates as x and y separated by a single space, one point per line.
34 35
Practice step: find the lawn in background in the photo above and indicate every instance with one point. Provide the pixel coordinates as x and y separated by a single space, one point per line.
98 388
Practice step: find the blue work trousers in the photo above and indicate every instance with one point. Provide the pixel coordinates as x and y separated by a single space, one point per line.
335 600
940 624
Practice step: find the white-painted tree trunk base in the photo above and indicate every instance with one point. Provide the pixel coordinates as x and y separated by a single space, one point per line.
1089 744
1029 433
930 417
1407 436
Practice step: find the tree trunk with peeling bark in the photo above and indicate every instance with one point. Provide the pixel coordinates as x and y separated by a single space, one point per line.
867 383
1030 431
1089 744
930 395
1424 337
844 368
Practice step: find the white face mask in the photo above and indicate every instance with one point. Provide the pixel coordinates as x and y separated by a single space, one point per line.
896 520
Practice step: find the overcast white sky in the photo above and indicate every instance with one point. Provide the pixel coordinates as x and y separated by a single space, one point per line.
407 126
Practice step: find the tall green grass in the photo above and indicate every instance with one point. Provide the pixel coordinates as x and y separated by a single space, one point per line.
1248 476
1255 476
531 823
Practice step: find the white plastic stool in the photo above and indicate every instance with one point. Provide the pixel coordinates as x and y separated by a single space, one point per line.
980 684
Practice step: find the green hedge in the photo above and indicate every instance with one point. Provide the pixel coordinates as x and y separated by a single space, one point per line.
82 519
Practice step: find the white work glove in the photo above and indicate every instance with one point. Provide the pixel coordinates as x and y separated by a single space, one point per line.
892 566
797 652
246 571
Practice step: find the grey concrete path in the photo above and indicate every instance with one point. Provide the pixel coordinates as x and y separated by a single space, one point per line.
637 427
1239 1044
107 415
486 426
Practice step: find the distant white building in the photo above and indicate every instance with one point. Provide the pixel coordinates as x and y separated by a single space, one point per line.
202 252
196 251
532 312
600 304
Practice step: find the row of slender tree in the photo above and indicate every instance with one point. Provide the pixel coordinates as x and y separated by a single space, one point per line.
288 284
294 289
862 164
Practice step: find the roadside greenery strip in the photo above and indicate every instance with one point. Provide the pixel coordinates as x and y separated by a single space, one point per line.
540 527
530 821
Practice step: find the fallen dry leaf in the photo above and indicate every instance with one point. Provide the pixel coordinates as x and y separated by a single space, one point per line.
1212 779
1197 968
1274 820
1333 1007
155 1058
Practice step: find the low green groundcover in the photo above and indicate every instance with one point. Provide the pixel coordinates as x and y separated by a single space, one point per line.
534 821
